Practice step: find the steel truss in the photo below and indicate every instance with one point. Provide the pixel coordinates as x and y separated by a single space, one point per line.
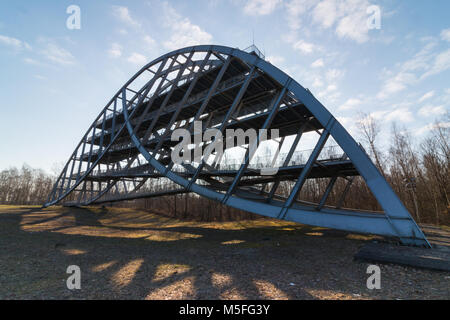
127 148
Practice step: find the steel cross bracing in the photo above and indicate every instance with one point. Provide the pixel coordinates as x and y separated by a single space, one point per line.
126 152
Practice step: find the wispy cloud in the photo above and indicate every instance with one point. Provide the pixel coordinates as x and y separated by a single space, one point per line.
304 47
137 59
55 53
445 34
353 20
426 96
430 111
317 83
432 126
39 77
440 64
294 10
275 60
149 41
318 63
115 51
33 62
334 74
350 104
330 93
184 32
261 7
14 43
347 17
396 84
402 114
425 63
123 14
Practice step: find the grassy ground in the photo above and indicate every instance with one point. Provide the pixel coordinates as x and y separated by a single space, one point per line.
132 254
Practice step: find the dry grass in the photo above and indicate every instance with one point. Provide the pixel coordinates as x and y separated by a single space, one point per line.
133 254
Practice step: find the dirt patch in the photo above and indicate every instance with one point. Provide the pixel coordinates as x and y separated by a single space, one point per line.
132 254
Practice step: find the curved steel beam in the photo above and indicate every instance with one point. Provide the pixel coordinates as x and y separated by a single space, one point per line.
248 68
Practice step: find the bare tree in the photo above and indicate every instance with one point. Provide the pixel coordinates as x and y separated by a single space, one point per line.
370 130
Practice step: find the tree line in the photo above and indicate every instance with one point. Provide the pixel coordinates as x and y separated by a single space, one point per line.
25 186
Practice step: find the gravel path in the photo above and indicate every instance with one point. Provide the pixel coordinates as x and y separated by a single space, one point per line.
131 254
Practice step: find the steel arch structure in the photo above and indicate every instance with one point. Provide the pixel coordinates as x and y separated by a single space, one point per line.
126 152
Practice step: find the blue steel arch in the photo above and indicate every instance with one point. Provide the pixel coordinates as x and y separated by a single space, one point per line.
395 222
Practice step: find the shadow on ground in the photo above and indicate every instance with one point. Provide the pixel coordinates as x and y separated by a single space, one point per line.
131 254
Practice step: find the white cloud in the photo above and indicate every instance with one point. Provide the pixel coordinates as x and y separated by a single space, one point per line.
429 110
115 51
275 60
331 87
330 94
402 114
184 32
444 98
345 121
396 84
325 13
260 7
14 43
32 62
350 104
317 82
55 53
327 81
349 124
304 47
138 59
347 17
39 77
440 64
432 126
426 96
421 60
149 41
334 74
354 27
445 34
295 9
329 97
123 14
318 63
425 63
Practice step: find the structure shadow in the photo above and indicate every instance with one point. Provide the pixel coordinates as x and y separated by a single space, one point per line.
172 262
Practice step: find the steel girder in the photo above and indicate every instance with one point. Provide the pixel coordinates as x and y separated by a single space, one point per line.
125 154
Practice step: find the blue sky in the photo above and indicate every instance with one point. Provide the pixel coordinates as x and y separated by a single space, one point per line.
54 81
